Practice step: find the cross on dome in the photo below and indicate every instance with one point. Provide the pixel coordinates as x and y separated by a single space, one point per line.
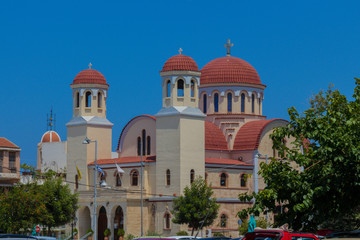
180 50
228 45
90 65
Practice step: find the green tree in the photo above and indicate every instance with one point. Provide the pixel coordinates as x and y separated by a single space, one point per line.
25 205
195 208
21 207
60 203
325 185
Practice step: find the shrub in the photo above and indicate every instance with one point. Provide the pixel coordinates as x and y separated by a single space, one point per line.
121 232
129 237
107 232
90 231
182 233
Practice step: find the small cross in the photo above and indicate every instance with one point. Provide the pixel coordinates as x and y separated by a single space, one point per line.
90 65
180 50
228 45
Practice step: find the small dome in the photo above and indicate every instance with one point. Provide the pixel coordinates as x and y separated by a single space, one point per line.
229 70
90 76
214 137
180 63
50 136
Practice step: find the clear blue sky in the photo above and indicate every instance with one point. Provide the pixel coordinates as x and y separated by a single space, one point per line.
297 47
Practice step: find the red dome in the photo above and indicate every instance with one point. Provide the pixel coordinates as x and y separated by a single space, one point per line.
214 137
229 70
50 136
180 63
90 76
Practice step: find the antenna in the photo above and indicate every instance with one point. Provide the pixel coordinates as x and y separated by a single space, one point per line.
50 121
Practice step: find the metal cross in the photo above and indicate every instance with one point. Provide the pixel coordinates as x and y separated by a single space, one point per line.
90 65
228 45
180 50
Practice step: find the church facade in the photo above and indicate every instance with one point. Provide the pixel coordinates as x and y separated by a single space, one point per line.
211 125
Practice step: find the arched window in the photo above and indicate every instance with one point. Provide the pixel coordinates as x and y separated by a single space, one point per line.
192 176
180 88
243 180
252 103
168 89
77 104
88 99
143 142
134 175
243 102
118 180
168 177
223 178
223 221
148 140
229 102
167 220
192 88
139 146
216 102
76 182
204 103
99 100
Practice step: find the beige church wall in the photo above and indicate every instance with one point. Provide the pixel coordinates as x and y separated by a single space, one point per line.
246 156
167 153
103 137
76 155
192 144
230 210
133 217
232 188
129 138
217 154
148 179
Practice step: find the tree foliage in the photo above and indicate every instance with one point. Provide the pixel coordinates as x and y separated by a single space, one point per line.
46 201
325 185
195 207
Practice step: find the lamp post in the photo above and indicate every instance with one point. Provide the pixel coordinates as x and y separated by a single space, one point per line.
88 141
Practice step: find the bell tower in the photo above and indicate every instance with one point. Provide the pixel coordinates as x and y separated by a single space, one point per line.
180 151
89 91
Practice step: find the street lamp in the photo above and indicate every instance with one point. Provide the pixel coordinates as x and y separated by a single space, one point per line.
88 141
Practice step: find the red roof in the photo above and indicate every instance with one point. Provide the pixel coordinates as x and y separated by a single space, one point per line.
180 63
135 159
4 143
229 70
248 137
225 161
50 136
214 137
90 76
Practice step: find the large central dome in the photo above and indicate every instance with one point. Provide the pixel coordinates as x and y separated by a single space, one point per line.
229 70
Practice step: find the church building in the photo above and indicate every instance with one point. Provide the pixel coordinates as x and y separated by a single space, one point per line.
211 124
